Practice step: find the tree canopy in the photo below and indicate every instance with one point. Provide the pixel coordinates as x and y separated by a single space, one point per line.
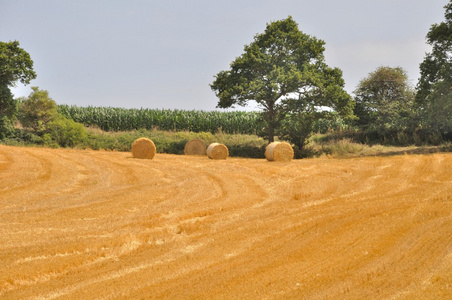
384 100
38 111
283 70
15 65
434 89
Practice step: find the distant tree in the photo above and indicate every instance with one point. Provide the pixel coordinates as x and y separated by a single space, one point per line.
384 101
15 65
38 111
284 71
434 89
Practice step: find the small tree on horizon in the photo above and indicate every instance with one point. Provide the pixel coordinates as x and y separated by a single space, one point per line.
38 111
384 101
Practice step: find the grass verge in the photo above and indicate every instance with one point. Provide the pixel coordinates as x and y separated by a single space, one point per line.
322 145
331 145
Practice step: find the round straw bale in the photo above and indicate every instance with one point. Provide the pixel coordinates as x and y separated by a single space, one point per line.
143 148
217 151
195 147
279 151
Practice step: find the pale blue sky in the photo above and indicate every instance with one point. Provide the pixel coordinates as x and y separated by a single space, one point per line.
165 53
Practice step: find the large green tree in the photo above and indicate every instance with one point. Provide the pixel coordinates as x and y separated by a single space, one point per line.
284 71
384 101
434 89
15 65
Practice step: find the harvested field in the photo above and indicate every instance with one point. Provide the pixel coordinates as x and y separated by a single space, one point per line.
93 224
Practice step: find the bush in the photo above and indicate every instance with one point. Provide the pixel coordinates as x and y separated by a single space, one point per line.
66 132
248 151
6 128
38 111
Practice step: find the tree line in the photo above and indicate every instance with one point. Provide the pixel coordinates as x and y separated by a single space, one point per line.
283 70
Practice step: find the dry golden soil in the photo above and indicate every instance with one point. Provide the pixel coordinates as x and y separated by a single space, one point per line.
79 224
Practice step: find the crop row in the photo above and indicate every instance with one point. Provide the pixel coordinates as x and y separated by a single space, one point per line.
121 119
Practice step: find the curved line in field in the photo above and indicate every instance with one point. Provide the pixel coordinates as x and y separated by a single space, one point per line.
338 228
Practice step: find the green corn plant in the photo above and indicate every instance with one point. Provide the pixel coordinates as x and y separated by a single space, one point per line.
121 119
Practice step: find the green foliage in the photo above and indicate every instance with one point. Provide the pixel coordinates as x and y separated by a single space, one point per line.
330 121
121 119
15 65
20 137
435 82
174 142
8 106
437 65
384 103
8 111
67 133
38 111
6 127
297 127
437 113
283 70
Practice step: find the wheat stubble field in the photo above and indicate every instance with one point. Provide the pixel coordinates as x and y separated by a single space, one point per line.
82 224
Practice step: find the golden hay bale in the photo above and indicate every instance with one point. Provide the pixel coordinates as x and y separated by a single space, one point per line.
143 148
217 151
279 151
195 147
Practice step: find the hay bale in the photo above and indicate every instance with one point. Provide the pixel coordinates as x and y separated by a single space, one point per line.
195 147
217 151
279 151
143 148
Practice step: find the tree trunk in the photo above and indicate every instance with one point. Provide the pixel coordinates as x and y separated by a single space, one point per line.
271 134
271 123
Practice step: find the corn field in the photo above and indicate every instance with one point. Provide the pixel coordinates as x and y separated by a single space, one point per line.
121 119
